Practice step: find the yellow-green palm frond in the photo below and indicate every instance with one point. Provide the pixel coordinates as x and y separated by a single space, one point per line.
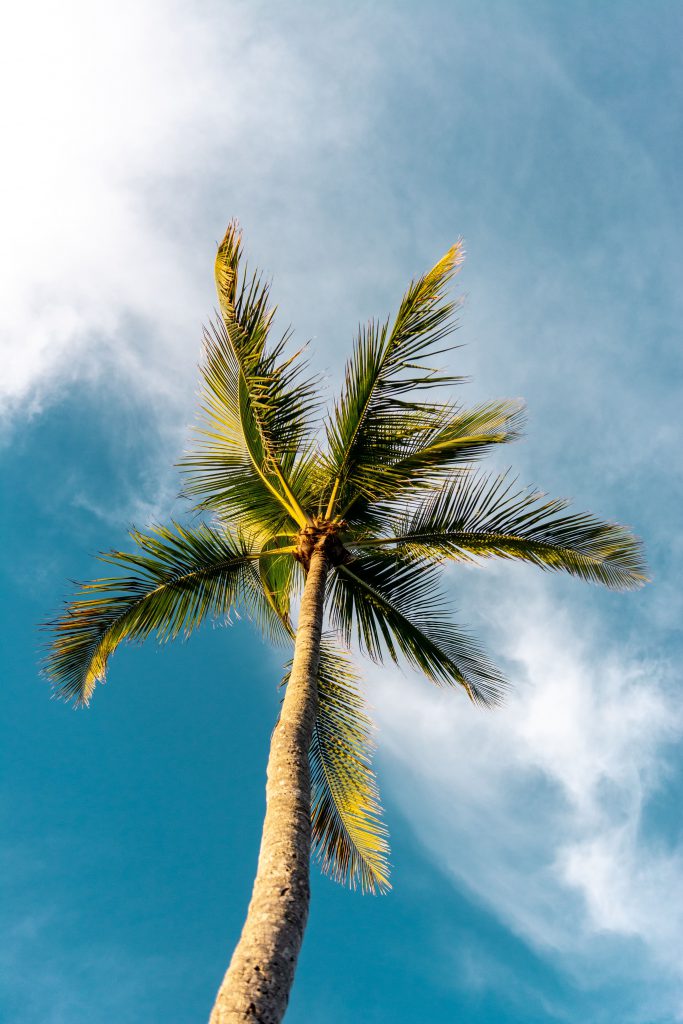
377 418
394 604
278 580
221 468
479 516
258 406
277 395
176 579
350 839
455 439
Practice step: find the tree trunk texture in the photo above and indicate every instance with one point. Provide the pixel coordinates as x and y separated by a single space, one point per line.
258 981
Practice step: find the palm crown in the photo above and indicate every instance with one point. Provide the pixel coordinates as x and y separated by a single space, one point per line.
386 482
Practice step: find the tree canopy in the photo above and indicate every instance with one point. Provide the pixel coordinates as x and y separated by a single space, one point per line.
390 474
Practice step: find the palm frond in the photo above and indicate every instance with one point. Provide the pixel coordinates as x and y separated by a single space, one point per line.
481 516
349 837
176 579
257 404
373 420
274 582
220 468
456 438
395 605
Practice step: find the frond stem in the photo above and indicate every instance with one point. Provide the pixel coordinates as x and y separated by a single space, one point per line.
182 577
301 517
333 498
297 514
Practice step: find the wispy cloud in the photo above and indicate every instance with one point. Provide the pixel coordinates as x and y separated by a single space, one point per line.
538 809
137 132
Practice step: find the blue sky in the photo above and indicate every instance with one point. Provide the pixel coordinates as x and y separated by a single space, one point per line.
537 851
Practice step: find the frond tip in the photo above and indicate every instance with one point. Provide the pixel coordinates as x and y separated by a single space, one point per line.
395 606
377 415
176 579
477 516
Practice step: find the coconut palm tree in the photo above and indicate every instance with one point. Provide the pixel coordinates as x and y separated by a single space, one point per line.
350 518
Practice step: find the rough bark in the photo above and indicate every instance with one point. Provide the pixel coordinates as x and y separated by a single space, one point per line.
258 981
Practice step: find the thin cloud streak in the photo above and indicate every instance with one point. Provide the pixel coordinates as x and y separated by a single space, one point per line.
537 809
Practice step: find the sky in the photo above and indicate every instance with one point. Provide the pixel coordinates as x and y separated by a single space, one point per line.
537 850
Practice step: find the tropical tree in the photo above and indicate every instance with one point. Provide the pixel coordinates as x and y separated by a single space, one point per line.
350 518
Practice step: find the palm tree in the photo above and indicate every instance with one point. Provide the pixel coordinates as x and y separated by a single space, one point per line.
354 519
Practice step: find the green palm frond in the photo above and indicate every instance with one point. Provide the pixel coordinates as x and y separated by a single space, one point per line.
308 481
275 397
456 438
280 398
178 578
395 604
277 581
258 407
349 837
220 468
483 516
375 420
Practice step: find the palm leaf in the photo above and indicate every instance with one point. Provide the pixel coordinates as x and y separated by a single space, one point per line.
349 837
479 516
455 439
395 605
178 578
221 467
277 580
260 394
373 421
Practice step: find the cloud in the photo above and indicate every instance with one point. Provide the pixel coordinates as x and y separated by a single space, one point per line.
137 131
538 809
96 127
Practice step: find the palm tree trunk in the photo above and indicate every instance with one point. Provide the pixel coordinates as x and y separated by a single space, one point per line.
258 981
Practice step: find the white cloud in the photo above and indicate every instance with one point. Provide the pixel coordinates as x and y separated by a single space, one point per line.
95 127
537 808
136 131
